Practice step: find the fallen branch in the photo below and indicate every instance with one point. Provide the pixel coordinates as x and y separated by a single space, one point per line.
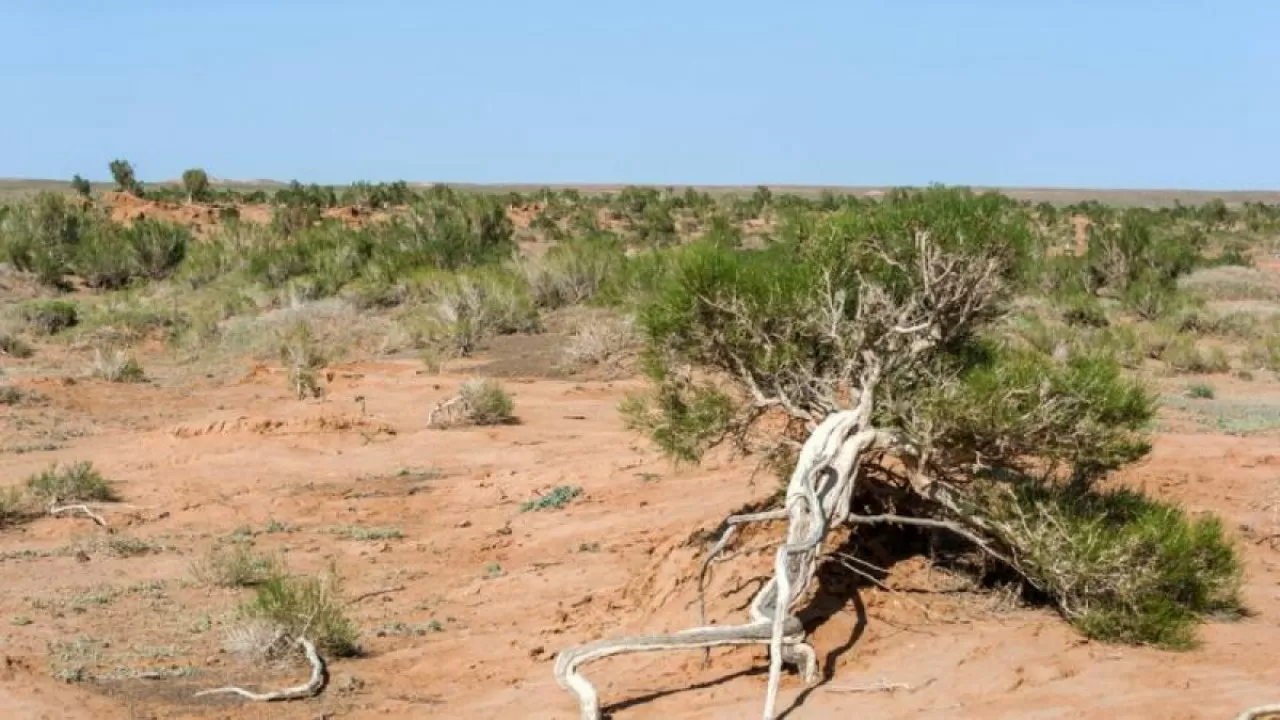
1260 711
319 679
55 510
375 593
877 686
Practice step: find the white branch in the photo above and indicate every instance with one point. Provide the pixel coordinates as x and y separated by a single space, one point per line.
317 682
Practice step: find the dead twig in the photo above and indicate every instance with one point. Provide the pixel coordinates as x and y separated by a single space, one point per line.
375 593
882 686
317 682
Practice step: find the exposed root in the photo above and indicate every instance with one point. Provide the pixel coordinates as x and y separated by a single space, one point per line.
817 498
756 633
55 510
319 679
1254 713
447 408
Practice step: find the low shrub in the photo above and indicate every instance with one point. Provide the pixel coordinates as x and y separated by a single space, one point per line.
78 482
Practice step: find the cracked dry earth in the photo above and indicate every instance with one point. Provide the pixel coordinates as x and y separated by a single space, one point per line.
485 595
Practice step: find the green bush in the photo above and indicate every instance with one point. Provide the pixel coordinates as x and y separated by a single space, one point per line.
292 605
196 182
41 237
1122 567
49 317
237 566
78 482
122 173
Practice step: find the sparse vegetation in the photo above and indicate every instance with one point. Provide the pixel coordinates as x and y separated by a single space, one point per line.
77 482
285 607
480 401
50 317
554 499
116 365
237 566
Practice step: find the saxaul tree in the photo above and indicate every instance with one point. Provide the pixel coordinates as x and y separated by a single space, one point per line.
875 337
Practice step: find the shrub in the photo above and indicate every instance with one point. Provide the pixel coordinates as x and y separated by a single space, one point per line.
893 308
41 237
237 566
600 341
290 605
49 316
1184 354
78 482
196 182
116 365
1200 391
480 401
122 173
571 273
1122 567
301 354
12 506
1264 353
81 186
14 346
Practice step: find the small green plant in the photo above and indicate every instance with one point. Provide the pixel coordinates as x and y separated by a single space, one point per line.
1200 391
492 570
302 355
49 317
368 534
237 566
116 365
78 482
20 620
478 402
555 499
292 605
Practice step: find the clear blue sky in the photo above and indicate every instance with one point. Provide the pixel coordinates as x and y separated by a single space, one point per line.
1125 93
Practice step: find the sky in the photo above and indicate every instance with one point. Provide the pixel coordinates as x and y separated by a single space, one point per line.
1051 93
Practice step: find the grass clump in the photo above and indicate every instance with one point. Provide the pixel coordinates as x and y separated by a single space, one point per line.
117 366
237 566
1183 354
13 506
78 482
287 606
480 401
1200 391
49 317
1122 567
14 346
555 499
368 534
302 355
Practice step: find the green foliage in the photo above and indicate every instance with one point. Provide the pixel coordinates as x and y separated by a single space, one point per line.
196 182
81 186
126 181
40 238
554 499
1200 391
573 271
486 402
682 418
1184 354
1121 566
78 482
1013 406
237 566
293 604
49 317
116 365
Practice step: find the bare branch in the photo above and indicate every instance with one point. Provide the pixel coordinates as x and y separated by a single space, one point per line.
316 683
55 510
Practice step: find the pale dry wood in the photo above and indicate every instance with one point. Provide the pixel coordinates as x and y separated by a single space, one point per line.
316 683
56 510
1260 711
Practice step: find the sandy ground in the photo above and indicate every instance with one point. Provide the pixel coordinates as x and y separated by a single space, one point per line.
197 459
